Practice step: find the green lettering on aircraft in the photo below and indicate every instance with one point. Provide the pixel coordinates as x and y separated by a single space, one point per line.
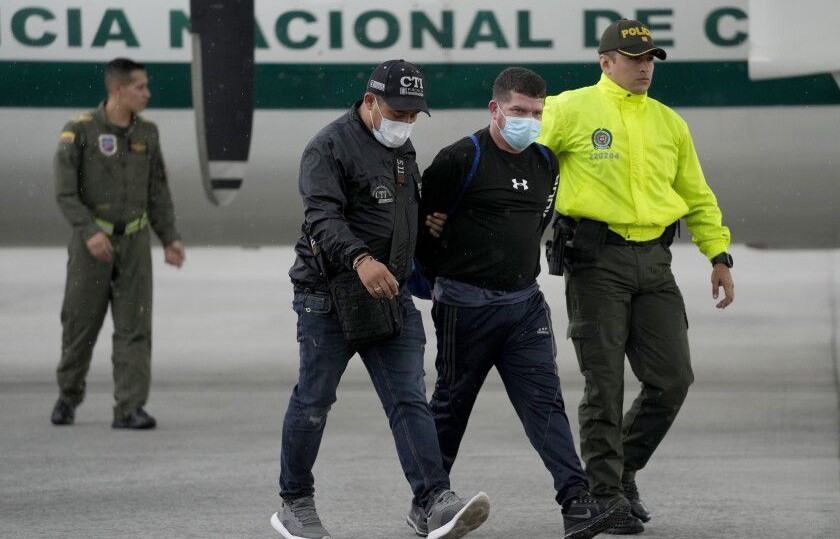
494 31
179 23
392 32
713 27
259 38
336 35
645 16
443 35
523 25
281 29
591 33
74 27
19 21
107 31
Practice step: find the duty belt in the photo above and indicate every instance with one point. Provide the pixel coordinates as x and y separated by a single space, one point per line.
666 238
120 229
615 239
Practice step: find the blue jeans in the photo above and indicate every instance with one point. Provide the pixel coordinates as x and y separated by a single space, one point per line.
518 340
396 369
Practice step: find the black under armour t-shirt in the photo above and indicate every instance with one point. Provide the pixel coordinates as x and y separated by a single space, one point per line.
493 241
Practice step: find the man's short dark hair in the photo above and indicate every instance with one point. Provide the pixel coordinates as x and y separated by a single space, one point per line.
120 69
520 80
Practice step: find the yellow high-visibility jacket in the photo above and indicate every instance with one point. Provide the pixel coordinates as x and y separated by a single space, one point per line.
629 160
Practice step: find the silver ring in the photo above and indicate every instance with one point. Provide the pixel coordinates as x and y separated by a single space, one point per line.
377 288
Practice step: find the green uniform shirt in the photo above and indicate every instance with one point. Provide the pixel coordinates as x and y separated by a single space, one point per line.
114 174
629 161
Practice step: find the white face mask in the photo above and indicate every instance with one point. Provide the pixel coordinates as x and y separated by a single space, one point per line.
390 134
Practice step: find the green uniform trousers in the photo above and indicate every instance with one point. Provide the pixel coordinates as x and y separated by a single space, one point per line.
627 303
125 283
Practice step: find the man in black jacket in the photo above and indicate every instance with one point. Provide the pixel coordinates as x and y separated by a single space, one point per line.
488 309
358 180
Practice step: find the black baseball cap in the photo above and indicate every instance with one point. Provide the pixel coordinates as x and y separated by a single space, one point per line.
401 84
630 38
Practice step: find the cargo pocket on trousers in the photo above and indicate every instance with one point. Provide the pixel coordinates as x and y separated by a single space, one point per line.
582 332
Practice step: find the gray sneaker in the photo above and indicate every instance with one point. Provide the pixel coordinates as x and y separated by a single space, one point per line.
417 520
297 519
451 516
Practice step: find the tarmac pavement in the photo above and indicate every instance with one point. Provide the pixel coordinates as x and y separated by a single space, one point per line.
753 453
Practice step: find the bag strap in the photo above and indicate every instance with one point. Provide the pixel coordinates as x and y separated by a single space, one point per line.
544 151
317 254
465 184
398 258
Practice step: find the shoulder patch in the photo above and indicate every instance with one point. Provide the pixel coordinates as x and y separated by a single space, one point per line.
67 137
83 117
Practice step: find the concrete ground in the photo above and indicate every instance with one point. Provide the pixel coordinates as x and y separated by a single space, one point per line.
754 453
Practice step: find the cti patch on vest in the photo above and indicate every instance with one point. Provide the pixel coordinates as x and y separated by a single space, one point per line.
138 147
67 137
601 139
107 144
382 195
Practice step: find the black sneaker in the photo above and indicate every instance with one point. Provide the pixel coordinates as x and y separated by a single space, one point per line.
138 419
630 525
62 413
637 508
586 516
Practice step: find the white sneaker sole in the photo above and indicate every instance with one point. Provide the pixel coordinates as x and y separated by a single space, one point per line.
277 525
470 517
417 530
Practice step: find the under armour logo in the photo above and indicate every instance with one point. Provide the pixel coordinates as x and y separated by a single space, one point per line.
523 184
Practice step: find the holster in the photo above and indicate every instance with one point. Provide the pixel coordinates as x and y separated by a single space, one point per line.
555 248
588 238
670 232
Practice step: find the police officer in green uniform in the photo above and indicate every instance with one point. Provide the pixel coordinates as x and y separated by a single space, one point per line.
111 186
628 173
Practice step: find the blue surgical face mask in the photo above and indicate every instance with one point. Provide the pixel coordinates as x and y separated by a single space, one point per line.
519 132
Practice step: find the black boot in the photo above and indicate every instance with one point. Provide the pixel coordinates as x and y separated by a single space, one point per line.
637 508
62 413
137 419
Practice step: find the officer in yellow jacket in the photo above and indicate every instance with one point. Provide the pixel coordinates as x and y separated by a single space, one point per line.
628 173
111 186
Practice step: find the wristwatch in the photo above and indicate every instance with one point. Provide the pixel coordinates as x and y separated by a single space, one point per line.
723 258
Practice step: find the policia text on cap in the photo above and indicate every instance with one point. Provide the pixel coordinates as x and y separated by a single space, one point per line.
628 173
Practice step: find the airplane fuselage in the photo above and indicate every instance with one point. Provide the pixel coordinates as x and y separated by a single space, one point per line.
768 148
